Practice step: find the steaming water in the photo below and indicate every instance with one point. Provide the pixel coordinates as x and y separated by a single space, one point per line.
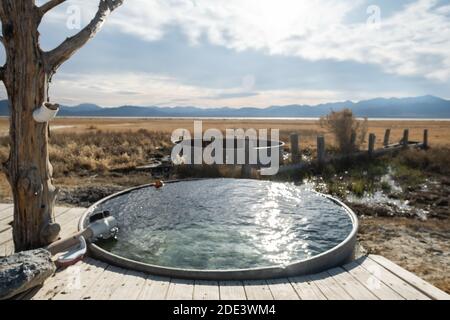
222 224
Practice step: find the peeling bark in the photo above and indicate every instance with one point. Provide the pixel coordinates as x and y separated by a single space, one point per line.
28 166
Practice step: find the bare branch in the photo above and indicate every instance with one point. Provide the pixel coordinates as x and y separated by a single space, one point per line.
65 50
2 73
2 39
2 12
3 20
49 6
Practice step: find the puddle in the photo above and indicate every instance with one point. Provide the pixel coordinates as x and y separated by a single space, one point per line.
389 180
378 199
395 206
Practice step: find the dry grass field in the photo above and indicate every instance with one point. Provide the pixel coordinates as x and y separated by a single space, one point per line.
308 129
96 144
88 146
84 150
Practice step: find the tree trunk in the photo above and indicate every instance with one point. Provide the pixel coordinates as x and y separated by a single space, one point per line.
26 77
28 168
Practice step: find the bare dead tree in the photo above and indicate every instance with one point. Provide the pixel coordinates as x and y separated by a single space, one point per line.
26 75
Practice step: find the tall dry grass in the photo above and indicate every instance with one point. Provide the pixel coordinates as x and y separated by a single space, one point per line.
97 151
434 160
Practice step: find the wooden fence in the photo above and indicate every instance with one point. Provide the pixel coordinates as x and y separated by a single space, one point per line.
324 158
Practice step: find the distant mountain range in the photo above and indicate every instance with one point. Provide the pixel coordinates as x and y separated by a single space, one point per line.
417 107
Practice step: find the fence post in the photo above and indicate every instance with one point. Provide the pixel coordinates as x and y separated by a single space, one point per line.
387 136
353 141
405 138
246 170
192 146
321 150
372 139
295 152
425 139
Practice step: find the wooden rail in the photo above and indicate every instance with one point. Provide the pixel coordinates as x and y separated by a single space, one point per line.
323 158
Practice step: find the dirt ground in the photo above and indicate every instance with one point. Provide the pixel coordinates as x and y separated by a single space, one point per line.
422 247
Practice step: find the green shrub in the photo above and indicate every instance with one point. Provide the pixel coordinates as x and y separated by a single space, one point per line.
358 187
407 176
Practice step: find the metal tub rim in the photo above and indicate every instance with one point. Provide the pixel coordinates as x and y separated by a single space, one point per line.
336 256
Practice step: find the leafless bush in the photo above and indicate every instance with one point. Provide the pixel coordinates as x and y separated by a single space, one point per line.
343 125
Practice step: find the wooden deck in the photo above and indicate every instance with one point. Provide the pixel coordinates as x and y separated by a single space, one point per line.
370 278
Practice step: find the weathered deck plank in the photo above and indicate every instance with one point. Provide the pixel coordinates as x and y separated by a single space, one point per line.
282 289
5 236
60 281
329 287
105 285
4 206
232 290
6 211
398 285
6 223
7 248
131 286
69 221
307 289
352 286
206 290
6 216
257 290
88 273
420 284
66 217
180 290
155 288
378 288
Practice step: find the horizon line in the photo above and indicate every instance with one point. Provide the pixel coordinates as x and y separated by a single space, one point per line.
252 107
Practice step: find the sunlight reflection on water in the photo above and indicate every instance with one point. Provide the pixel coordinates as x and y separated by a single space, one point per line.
221 224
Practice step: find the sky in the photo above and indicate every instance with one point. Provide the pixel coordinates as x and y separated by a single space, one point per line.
252 53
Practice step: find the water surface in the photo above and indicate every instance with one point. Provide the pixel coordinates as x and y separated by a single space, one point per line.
219 224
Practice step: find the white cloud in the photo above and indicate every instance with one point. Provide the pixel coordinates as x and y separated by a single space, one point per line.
111 89
414 41
314 30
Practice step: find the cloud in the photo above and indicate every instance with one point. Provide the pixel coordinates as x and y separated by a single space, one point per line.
114 89
253 52
235 95
314 30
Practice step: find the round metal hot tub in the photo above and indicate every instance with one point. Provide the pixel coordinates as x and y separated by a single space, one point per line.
226 229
